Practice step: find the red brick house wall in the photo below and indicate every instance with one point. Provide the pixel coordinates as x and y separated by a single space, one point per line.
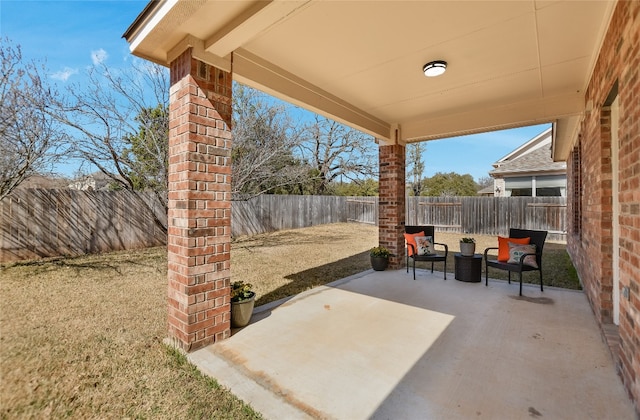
590 180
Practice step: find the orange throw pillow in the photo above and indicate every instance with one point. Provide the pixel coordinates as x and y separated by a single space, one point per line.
503 246
409 237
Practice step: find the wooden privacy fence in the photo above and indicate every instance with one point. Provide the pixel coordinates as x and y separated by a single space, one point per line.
46 223
40 223
474 215
490 215
267 213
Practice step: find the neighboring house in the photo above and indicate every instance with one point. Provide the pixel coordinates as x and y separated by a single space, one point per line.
530 171
93 182
486 192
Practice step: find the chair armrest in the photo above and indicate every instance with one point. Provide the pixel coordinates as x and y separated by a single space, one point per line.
446 247
523 256
486 251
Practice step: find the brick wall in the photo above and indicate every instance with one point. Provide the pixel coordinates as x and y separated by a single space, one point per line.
392 202
591 243
199 219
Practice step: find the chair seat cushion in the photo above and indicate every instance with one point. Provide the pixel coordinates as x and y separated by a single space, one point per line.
429 257
502 265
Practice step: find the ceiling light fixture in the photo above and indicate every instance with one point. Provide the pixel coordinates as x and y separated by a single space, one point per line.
434 68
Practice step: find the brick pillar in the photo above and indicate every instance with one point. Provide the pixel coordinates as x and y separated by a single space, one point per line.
199 222
392 202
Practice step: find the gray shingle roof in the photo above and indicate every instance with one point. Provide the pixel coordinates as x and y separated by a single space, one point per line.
538 160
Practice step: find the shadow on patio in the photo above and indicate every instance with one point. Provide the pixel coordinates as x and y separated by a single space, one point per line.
380 345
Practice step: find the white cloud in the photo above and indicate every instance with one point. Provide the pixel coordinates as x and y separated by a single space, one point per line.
99 56
64 74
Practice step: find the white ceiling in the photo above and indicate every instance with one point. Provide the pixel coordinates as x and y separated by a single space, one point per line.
511 63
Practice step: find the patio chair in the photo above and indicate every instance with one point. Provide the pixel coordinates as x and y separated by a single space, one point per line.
524 263
412 252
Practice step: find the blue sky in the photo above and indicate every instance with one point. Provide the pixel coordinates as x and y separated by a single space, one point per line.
70 35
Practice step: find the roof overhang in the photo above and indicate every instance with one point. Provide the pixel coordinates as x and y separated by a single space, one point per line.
511 64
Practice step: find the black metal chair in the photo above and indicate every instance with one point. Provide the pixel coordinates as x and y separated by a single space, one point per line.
437 257
537 237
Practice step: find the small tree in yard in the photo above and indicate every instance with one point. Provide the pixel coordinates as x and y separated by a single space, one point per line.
147 151
415 167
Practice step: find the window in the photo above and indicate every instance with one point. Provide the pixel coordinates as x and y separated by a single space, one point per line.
551 186
537 186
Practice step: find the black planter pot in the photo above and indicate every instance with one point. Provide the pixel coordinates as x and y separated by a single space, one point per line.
379 263
241 312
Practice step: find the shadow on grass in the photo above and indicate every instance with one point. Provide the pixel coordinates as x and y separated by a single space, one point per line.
297 237
44 265
318 276
112 261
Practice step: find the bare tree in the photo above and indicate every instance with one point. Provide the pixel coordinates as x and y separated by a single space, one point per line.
30 139
484 182
119 120
415 167
334 151
263 142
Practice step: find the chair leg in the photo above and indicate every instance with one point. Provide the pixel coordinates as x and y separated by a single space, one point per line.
509 277
520 282
445 269
431 267
414 268
407 263
541 289
486 273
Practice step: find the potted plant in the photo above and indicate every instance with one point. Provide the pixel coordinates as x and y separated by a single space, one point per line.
379 258
467 247
242 301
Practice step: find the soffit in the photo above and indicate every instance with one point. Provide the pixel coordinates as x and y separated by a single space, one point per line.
359 62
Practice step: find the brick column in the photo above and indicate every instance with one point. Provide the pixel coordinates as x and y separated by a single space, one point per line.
392 202
199 222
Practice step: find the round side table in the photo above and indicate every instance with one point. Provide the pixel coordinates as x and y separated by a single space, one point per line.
468 269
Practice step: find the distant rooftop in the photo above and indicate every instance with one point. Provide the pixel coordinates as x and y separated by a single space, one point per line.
533 156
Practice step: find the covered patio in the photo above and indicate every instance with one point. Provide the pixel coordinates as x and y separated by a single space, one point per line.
381 345
573 64
509 64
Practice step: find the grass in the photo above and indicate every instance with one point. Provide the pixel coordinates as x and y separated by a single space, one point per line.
82 337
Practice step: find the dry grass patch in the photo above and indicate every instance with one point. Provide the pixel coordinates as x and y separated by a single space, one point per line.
284 263
82 337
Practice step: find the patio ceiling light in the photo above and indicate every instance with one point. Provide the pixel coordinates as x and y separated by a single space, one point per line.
434 68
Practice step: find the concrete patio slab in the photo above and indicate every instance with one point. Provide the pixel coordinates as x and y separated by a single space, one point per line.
380 345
